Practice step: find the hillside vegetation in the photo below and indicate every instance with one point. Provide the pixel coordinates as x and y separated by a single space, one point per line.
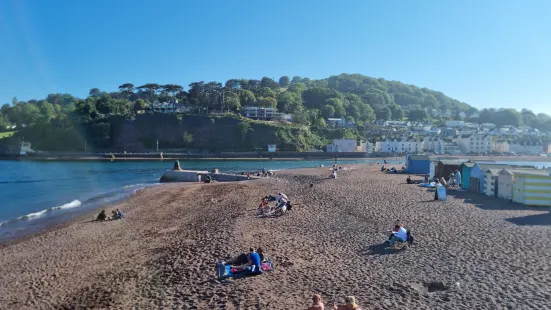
113 120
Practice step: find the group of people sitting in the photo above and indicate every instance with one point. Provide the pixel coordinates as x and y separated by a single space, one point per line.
250 262
392 170
115 215
349 304
281 200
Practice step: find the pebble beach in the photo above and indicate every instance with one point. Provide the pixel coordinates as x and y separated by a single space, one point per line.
471 251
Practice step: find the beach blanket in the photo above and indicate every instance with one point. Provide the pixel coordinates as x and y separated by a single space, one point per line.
226 271
429 185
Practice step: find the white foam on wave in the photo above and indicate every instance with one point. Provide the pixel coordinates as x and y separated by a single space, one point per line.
33 215
73 204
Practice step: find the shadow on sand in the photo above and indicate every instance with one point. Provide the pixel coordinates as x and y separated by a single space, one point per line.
491 203
381 249
531 220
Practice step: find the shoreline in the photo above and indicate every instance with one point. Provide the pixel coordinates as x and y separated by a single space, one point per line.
400 158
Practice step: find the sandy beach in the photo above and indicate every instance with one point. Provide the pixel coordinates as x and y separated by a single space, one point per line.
471 252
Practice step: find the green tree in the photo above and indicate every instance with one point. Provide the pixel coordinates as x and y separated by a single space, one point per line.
298 88
328 111
270 83
284 81
396 112
127 89
139 105
266 102
338 104
246 97
417 115
265 92
187 138
94 92
383 113
289 102
231 101
244 127
232 84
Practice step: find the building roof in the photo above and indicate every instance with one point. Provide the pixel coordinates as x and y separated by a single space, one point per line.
531 171
494 172
468 164
419 157
450 162
486 166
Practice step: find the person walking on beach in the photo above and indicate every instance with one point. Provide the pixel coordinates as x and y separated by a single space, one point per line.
316 303
349 304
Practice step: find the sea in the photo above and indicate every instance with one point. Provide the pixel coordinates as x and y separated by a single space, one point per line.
37 194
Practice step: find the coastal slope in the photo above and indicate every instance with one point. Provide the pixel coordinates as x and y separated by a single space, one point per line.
471 251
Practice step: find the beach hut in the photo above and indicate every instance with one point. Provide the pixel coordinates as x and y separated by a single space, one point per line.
506 178
418 164
478 176
532 188
491 182
444 167
505 184
465 169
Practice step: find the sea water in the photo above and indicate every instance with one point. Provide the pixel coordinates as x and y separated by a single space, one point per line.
34 195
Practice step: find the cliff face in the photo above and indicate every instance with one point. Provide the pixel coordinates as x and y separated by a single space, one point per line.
207 133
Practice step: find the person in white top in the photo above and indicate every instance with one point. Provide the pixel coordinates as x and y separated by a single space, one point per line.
399 234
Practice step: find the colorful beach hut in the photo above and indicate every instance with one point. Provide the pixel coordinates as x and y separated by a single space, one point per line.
418 164
478 176
491 182
532 188
465 169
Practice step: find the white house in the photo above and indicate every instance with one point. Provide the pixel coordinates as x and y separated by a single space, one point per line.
403 145
451 148
346 145
526 147
455 123
265 114
474 143
433 144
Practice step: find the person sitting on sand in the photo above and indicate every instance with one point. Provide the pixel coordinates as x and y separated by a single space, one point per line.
316 303
349 304
408 180
101 216
253 263
119 215
399 234
383 168
114 215
397 223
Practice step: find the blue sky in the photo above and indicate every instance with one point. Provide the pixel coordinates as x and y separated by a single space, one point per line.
491 53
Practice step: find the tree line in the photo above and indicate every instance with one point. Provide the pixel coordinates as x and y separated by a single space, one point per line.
357 98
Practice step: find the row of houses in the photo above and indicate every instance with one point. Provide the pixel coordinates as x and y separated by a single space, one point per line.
523 184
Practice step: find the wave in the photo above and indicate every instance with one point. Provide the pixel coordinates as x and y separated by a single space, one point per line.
33 215
104 198
73 204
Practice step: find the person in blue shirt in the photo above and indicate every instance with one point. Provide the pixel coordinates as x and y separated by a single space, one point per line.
254 261
120 215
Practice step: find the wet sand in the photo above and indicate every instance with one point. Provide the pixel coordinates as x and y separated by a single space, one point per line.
471 252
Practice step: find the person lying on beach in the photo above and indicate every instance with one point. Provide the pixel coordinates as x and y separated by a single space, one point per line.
101 216
349 304
316 303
